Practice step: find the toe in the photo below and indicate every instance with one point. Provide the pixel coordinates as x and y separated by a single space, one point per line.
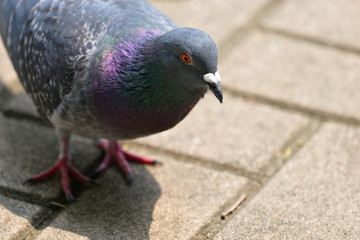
29 180
70 198
129 178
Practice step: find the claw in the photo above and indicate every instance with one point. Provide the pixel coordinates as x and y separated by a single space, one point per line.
129 179
70 198
156 162
94 183
95 173
29 180
64 166
114 151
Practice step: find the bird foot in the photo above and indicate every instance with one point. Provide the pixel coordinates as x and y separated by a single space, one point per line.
64 166
113 151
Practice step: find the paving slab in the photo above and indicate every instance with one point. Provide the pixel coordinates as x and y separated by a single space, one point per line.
28 148
7 73
4 95
217 18
21 104
316 195
292 71
242 134
17 218
168 202
204 137
333 21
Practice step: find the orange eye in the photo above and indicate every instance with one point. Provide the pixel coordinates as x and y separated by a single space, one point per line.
185 58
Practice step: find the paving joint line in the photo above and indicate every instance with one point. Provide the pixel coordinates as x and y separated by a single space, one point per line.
177 155
208 231
305 133
182 157
316 114
77 188
55 210
265 9
45 223
289 149
22 116
252 187
253 181
28 198
51 211
25 197
240 32
310 39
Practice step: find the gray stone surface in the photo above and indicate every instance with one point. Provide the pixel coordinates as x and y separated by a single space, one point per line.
316 195
243 134
168 202
7 73
21 104
2 87
4 94
197 135
211 16
333 21
28 148
17 218
296 72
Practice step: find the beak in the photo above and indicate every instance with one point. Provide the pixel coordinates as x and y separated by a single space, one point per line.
213 81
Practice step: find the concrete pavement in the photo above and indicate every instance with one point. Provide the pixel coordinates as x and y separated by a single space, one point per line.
287 136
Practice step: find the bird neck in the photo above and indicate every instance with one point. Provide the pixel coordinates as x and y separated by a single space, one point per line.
141 76
153 89
133 85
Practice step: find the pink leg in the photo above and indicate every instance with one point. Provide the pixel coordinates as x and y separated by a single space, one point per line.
122 161
65 180
114 151
64 166
105 164
135 158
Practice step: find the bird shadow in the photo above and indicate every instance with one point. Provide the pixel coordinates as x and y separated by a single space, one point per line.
113 210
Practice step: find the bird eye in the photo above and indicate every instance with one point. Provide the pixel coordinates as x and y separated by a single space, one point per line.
185 58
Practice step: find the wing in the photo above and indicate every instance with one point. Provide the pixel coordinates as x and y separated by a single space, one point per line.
52 43
54 46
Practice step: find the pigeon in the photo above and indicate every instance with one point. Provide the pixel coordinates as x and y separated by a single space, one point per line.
107 69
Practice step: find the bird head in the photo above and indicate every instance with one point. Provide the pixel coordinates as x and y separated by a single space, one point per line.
190 56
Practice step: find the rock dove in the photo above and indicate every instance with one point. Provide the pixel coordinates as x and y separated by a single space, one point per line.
110 69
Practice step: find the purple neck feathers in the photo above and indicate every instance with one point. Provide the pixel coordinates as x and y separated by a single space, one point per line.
132 94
